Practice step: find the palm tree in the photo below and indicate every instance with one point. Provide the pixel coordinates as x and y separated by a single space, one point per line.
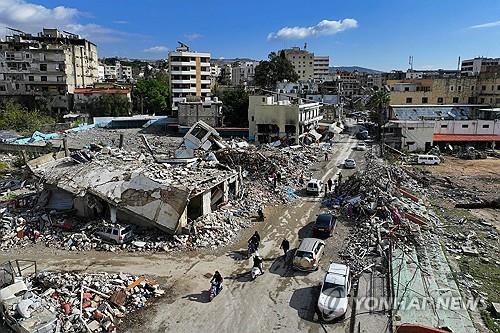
379 102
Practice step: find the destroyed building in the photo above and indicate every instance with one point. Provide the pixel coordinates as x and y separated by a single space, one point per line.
132 187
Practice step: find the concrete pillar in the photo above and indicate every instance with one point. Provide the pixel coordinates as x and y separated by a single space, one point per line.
65 145
121 141
206 203
112 213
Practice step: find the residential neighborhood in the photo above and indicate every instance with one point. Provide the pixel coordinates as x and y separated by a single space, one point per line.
272 169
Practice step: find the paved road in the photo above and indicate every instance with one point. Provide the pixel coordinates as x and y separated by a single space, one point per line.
281 299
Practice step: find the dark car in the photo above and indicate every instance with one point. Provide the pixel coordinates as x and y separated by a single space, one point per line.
324 225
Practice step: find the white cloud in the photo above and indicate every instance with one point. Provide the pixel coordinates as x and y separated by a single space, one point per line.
486 25
156 49
29 17
193 36
323 28
120 22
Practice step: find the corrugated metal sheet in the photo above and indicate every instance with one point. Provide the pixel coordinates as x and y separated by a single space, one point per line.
60 200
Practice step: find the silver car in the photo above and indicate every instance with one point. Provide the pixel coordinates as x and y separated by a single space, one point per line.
350 163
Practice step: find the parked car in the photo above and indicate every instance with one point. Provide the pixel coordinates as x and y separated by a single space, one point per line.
333 299
350 163
428 159
325 224
314 187
308 254
361 146
117 234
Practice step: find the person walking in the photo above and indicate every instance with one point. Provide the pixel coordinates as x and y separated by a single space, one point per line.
340 178
285 245
326 156
330 184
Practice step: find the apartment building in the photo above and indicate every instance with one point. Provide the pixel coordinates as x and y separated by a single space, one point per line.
271 119
117 72
189 74
321 68
195 109
302 61
477 65
483 88
242 73
52 64
83 96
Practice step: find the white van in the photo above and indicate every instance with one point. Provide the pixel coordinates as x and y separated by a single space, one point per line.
314 187
428 159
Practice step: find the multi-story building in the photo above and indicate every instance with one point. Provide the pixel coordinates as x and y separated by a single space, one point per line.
117 72
52 64
100 72
83 96
271 119
189 74
321 68
302 61
242 73
477 65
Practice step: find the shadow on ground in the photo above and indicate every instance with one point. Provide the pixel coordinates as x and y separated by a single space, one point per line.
203 297
304 301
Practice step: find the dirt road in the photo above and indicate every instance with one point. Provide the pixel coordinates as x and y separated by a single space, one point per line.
281 299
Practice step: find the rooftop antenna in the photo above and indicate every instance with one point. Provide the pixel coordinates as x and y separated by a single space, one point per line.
305 45
458 65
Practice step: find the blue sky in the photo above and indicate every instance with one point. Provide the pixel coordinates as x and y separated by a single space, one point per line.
378 34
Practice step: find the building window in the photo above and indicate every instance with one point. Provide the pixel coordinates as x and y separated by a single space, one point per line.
465 126
43 78
59 79
2 88
486 126
452 88
409 143
482 100
444 126
483 87
425 100
455 99
17 86
43 67
440 100
471 87
408 100
407 88
27 55
411 128
31 78
459 88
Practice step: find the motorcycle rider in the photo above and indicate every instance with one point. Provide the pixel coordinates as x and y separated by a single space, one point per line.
257 262
255 239
217 279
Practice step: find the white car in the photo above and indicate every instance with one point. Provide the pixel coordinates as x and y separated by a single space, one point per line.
333 299
314 187
117 234
361 146
350 163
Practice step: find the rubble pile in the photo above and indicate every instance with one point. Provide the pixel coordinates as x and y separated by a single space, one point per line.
79 302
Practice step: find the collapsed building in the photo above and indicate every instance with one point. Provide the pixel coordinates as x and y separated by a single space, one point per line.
139 188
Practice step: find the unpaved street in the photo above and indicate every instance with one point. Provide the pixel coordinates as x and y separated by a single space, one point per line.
281 299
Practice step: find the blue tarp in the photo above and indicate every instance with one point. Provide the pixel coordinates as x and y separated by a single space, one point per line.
35 137
80 128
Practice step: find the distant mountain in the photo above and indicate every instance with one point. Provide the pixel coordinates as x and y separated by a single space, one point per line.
354 68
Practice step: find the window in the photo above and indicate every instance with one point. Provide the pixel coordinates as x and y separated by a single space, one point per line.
486 126
483 87
2 88
452 88
43 67
409 143
459 88
31 78
27 55
440 100
17 86
455 99
465 126
492 88
43 78
407 88
411 128
408 100
471 87
444 125
425 100
59 79
482 100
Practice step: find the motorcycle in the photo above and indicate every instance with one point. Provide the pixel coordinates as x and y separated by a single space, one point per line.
213 291
255 272
260 212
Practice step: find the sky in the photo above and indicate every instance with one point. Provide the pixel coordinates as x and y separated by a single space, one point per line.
377 34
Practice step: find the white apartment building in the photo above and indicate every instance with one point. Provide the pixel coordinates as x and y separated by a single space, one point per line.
117 72
243 72
100 72
302 61
321 67
477 65
189 74
52 64
271 119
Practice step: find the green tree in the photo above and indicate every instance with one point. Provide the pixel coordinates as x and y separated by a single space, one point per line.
379 102
109 105
151 96
235 107
276 69
15 117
